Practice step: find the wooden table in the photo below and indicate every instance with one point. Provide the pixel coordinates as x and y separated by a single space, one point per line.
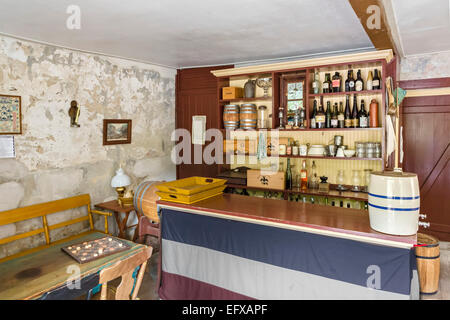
32 275
114 207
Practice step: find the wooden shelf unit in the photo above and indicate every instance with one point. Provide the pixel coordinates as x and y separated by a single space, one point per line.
384 67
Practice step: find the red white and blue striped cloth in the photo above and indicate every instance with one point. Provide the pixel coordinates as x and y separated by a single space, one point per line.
206 257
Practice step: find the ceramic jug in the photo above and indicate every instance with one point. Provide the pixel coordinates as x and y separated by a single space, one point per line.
249 89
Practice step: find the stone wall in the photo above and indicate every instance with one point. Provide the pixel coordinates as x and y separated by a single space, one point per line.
425 66
54 160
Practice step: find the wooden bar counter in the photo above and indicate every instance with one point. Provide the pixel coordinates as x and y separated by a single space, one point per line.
334 221
237 247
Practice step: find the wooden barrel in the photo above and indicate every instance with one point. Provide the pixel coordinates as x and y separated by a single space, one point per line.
145 198
248 116
428 263
231 116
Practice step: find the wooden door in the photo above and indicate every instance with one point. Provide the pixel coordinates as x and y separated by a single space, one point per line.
196 95
426 122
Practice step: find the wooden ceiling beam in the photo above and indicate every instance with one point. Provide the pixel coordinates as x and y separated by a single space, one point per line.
372 15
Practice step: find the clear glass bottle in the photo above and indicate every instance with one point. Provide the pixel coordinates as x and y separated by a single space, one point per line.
262 117
316 83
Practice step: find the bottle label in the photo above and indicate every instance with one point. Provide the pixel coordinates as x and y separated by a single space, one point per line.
313 123
325 85
303 175
369 85
348 123
359 86
376 83
334 123
351 84
340 117
336 83
355 122
320 119
314 84
363 123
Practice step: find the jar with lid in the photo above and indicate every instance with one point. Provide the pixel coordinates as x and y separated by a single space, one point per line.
377 149
370 150
360 148
262 117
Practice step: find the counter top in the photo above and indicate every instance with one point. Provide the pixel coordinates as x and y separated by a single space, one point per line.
333 221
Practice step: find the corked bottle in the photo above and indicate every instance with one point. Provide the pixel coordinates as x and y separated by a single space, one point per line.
373 114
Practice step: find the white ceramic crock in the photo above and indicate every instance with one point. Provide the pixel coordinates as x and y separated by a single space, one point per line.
394 202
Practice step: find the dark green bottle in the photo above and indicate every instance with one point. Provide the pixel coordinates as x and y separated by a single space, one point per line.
288 175
328 115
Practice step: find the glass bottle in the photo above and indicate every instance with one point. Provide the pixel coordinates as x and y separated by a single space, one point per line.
313 179
334 117
350 83
363 119
336 83
320 117
341 117
313 116
347 115
359 83
288 175
376 83
316 83
328 115
369 82
327 85
304 177
355 119
340 180
356 180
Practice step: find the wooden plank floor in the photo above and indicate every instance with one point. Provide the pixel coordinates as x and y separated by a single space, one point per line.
148 288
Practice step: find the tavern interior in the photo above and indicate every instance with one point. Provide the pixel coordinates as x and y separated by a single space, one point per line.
90 96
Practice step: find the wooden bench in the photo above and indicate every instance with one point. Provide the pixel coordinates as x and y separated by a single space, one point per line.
42 210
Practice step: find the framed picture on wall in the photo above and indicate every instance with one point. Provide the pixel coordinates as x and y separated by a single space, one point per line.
116 131
10 114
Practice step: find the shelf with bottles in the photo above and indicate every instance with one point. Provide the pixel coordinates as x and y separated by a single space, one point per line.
362 111
346 79
334 94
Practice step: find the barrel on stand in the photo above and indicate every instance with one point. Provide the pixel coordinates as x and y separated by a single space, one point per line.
428 263
145 198
231 116
248 117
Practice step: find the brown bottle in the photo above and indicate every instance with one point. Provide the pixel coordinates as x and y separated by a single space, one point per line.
373 114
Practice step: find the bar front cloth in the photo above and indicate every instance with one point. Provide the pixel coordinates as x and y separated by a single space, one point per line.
206 257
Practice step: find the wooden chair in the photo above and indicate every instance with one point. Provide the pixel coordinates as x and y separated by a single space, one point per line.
128 287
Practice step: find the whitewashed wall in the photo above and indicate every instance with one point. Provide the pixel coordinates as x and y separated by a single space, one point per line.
56 161
425 66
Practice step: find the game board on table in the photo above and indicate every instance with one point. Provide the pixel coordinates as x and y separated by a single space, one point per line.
95 249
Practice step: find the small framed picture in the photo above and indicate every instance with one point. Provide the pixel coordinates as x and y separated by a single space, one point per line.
10 115
116 131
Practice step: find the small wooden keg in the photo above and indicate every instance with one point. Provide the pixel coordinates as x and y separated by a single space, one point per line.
145 198
428 263
231 116
248 116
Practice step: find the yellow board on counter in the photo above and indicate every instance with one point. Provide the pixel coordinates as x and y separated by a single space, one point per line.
189 199
190 186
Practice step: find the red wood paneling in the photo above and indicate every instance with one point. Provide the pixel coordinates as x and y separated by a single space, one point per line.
196 93
426 123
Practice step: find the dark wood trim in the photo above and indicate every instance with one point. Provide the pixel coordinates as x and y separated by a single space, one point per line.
381 38
425 83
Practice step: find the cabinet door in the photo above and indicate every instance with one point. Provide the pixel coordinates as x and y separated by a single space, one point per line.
427 153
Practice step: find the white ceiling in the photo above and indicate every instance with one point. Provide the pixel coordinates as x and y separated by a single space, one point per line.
182 33
423 25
